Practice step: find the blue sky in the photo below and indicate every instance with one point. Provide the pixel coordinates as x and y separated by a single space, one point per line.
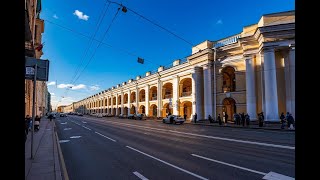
130 37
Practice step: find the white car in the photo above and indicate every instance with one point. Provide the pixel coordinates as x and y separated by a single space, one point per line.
173 119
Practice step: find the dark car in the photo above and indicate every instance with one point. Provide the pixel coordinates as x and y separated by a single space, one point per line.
139 116
63 115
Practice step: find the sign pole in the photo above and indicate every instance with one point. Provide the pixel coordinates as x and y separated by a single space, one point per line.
33 107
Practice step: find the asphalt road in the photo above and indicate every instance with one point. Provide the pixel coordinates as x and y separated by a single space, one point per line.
112 148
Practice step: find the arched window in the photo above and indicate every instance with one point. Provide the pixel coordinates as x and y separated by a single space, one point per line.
229 79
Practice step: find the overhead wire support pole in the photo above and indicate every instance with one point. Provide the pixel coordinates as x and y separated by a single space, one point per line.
33 107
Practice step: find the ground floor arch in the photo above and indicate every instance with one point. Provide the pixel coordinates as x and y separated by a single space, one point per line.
229 108
166 110
186 109
109 112
142 109
153 110
119 111
114 111
125 110
132 109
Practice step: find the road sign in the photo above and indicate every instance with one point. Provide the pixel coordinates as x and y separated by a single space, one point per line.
29 71
42 68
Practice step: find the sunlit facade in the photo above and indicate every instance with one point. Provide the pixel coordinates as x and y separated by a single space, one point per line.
250 72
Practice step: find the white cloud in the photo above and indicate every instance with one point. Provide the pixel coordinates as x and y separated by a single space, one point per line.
219 22
62 86
53 94
51 83
95 87
79 86
55 16
81 15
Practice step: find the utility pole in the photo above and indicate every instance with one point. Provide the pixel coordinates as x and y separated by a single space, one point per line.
33 106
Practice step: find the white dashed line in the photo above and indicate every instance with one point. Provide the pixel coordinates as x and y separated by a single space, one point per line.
86 128
269 176
106 137
63 141
227 164
186 171
140 175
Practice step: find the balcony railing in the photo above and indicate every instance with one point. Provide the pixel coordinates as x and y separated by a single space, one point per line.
154 98
188 93
133 101
167 96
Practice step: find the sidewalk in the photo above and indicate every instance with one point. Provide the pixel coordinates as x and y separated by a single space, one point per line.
46 162
253 125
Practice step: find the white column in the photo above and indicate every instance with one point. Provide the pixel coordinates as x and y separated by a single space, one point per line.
117 105
137 100
270 81
122 107
129 107
198 77
175 95
112 105
159 98
250 88
193 93
292 57
208 91
147 99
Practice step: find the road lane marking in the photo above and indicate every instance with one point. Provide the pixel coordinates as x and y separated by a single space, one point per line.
276 176
75 137
64 123
140 175
269 176
106 137
67 129
224 163
212 137
84 122
186 171
86 128
63 141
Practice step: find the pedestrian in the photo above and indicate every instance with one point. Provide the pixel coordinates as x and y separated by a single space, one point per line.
37 123
50 117
195 117
261 119
242 119
290 121
226 118
185 117
287 117
247 118
219 120
210 118
282 120
27 121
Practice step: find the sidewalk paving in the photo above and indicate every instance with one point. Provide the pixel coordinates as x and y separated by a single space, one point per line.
253 125
46 162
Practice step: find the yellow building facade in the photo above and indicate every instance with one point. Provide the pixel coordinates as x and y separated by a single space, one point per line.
250 72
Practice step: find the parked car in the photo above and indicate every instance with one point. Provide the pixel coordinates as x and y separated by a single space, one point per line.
63 115
80 114
139 116
173 119
131 116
